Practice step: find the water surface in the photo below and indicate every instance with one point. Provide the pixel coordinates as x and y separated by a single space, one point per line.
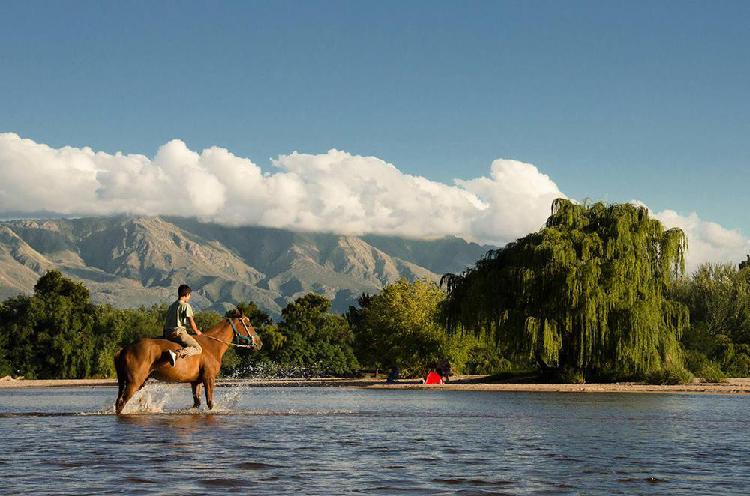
352 441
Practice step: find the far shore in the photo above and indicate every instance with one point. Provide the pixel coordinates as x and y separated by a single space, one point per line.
459 383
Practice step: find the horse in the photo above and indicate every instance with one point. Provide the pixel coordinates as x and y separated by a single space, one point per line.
147 357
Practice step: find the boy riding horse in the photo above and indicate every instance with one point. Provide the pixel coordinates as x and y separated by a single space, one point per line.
179 314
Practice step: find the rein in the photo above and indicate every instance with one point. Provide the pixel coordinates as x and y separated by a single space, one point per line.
241 341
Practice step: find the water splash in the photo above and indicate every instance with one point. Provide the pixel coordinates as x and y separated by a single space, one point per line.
272 370
155 397
152 398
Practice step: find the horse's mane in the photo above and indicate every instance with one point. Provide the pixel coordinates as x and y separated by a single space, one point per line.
234 314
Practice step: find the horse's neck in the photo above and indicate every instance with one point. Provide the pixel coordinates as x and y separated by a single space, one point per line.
223 332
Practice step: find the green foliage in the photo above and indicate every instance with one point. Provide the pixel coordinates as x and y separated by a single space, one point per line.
587 294
115 328
739 364
59 333
572 376
315 340
51 332
400 327
5 366
475 355
718 298
700 366
670 375
206 319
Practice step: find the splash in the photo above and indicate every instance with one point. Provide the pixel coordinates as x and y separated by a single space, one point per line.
152 398
271 370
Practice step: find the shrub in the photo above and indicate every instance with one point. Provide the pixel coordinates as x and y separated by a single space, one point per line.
670 375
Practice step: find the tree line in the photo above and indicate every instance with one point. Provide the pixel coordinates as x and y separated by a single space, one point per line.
59 333
598 294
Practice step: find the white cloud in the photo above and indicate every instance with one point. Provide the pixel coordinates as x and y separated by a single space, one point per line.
334 191
707 241
519 200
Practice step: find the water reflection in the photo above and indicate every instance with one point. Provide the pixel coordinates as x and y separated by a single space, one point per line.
189 420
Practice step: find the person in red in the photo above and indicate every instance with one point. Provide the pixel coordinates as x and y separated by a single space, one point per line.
433 378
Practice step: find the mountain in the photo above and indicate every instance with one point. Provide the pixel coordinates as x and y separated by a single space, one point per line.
131 261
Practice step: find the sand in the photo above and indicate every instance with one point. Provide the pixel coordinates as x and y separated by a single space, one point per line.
461 383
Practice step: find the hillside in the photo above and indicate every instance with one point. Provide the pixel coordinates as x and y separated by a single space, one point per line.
131 261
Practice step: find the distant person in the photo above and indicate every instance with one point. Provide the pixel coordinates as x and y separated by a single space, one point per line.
444 370
179 314
433 378
392 376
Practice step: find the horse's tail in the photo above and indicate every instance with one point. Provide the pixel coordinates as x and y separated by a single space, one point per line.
120 363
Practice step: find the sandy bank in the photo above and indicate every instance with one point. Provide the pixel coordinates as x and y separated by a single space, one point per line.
732 386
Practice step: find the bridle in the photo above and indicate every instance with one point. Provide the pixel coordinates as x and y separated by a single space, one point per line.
239 340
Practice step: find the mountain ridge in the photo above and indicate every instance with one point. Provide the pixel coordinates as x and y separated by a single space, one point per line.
140 260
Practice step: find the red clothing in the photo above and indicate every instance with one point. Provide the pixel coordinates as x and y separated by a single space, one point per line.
433 378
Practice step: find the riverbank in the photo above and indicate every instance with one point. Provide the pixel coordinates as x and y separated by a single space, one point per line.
461 383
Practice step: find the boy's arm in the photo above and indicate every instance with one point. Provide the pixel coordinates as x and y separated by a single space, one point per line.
195 327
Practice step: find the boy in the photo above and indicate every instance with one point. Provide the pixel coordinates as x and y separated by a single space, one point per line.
179 314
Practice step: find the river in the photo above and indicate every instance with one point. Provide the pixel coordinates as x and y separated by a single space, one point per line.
356 441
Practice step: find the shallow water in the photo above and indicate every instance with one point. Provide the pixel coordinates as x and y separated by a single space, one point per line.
336 440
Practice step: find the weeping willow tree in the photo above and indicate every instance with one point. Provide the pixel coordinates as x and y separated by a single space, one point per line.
587 294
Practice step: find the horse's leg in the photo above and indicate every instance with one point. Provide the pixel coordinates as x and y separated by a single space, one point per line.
196 394
119 368
130 389
208 383
120 403
120 386
133 380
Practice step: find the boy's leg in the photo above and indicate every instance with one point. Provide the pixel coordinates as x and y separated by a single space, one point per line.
189 344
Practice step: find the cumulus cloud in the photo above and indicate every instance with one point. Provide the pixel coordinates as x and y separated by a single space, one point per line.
334 191
707 241
519 198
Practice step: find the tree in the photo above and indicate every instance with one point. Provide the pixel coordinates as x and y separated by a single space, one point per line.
18 318
585 297
118 327
718 298
317 341
52 331
400 326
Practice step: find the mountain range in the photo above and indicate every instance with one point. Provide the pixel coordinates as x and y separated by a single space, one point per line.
132 261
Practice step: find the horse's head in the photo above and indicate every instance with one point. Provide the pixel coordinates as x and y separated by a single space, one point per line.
244 330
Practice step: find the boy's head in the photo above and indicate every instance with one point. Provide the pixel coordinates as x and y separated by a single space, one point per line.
183 291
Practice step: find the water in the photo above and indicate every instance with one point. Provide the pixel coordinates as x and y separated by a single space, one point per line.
340 441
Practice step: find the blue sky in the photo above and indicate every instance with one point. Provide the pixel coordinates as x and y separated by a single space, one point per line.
613 100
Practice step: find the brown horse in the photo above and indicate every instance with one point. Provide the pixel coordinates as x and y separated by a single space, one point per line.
147 358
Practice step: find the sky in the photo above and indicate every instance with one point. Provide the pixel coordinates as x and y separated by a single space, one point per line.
410 118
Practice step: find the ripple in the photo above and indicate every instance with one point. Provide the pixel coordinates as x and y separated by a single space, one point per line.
474 482
255 466
139 480
224 483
